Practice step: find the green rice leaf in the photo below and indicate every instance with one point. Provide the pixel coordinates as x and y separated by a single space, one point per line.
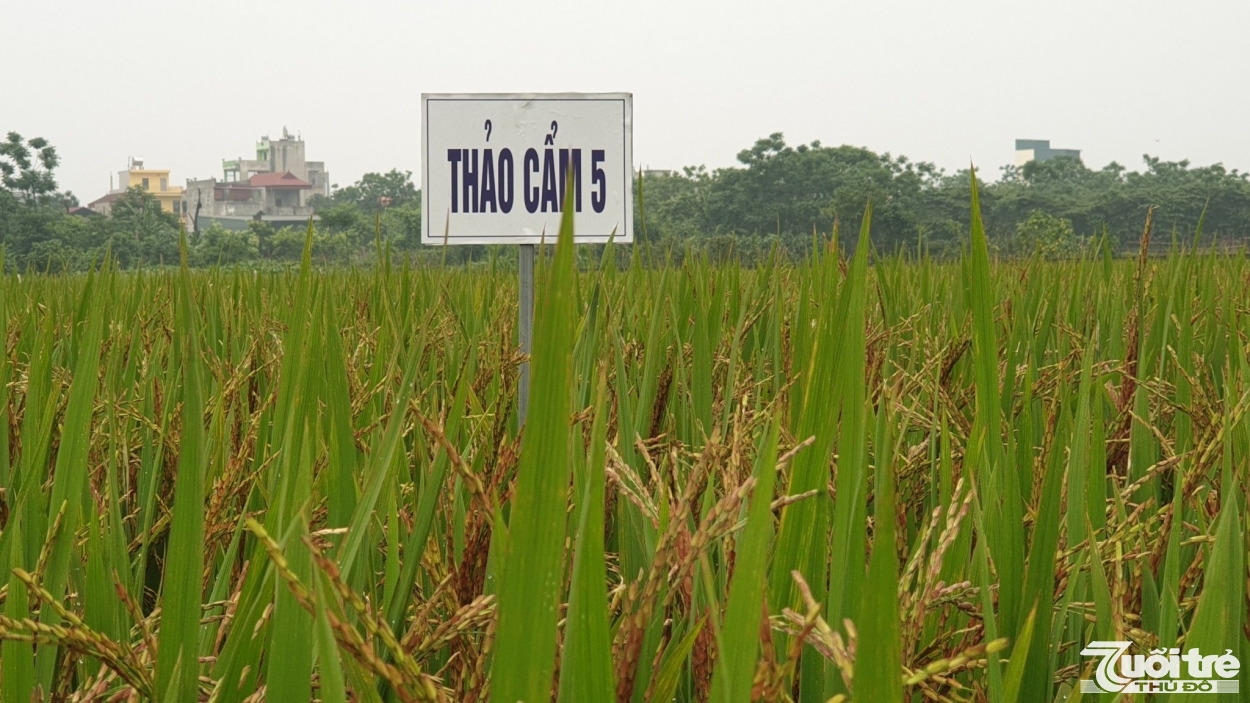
533 570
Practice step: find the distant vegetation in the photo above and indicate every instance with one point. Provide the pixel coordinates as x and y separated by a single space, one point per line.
784 192
778 194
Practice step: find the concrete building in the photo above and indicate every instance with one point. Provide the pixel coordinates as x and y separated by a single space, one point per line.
285 155
1039 150
154 180
277 187
278 198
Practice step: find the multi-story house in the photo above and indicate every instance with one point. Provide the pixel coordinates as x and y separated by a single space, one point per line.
276 187
153 180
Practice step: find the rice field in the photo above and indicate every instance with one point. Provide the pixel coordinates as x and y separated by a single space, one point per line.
850 477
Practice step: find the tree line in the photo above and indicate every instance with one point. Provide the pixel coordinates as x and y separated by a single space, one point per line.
777 196
782 193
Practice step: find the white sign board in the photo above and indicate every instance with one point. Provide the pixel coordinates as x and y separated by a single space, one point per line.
495 167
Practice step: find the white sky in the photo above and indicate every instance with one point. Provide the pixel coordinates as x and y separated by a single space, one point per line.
186 84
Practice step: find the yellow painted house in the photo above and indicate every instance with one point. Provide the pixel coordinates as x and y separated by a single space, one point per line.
153 180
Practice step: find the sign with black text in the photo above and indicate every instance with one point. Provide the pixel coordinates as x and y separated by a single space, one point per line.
499 168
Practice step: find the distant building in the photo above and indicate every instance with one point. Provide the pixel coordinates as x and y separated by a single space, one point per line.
277 187
278 198
80 211
1039 150
285 155
104 205
153 180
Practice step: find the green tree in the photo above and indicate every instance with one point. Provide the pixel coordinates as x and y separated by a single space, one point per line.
401 226
789 192
263 233
385 204
219 246
31 209
287 244
26 168
137 215
375 191
1051 237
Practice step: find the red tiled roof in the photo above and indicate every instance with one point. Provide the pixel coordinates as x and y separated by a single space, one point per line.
277 180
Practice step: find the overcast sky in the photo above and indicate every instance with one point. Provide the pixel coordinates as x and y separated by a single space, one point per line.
185 85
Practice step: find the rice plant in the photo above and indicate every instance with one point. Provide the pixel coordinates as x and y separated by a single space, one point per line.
851 477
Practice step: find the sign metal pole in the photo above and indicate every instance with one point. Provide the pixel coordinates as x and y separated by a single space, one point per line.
525 327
